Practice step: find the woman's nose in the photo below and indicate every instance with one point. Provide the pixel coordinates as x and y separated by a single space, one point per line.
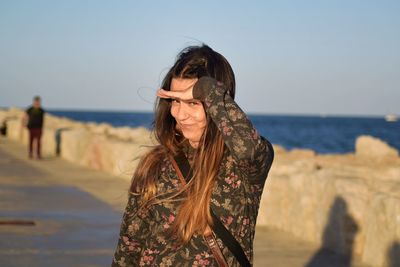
183 111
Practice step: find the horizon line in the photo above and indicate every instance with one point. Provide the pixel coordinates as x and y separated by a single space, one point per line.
300 114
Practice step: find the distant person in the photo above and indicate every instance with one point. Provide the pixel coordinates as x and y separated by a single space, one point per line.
33 120
197 193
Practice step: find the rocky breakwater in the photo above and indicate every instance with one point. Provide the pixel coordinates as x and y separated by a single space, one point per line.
98 146
349 203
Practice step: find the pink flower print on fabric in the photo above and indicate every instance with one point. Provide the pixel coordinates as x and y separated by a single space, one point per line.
233 181
202 259
148 257
169 220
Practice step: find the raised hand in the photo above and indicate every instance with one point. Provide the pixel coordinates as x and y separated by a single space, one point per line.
181 89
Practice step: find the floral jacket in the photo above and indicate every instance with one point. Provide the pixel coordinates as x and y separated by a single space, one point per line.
235 198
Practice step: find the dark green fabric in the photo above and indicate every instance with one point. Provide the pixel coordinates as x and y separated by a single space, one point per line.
144 238
35 117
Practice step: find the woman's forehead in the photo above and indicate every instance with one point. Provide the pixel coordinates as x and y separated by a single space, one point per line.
180 84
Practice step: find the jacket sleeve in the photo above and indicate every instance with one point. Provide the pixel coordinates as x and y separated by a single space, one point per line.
129 246
253 153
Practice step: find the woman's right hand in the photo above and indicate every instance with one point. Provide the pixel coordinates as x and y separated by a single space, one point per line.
181 89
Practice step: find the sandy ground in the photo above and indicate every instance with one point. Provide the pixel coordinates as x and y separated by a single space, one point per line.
76 214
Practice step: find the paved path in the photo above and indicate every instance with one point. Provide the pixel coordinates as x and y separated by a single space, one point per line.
77 211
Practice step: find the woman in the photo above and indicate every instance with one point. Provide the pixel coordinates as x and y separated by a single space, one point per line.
171 219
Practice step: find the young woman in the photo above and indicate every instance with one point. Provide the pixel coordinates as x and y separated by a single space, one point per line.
171 218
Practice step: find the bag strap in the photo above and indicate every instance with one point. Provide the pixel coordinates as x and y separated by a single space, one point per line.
182 166
208 236
215 249
229 240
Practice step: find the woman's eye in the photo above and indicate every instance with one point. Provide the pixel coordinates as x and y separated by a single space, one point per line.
194 103
175 100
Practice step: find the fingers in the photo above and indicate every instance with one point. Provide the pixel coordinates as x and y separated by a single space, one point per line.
181 88
166 94
182 95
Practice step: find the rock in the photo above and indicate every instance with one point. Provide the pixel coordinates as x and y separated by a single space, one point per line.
344 206
382 230
303 153
3 115
74 144
348 203
101 128
373 148
139 135
15 131
279 149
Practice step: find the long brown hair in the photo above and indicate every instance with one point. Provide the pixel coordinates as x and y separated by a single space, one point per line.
194 213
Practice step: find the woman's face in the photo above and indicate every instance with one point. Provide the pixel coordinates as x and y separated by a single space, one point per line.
189 115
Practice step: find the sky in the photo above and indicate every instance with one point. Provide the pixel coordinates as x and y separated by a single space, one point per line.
289 57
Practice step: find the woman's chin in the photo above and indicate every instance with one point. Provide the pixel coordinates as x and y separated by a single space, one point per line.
191 138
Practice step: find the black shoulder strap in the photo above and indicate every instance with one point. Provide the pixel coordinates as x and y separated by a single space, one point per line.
184 166
229 240
218 228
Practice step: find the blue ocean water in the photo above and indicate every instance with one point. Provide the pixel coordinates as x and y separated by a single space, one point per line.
321 134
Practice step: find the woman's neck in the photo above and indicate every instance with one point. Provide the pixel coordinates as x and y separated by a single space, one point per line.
194 144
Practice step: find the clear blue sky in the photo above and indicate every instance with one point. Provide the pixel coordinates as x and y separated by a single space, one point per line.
290 57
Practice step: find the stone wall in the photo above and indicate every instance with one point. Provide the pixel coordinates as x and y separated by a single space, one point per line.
98 146
349 203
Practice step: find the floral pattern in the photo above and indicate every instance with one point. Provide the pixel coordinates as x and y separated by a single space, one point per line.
144 238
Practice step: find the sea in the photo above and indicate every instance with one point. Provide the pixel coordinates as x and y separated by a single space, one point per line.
323 134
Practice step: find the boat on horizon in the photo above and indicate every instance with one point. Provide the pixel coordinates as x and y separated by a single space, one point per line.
391 118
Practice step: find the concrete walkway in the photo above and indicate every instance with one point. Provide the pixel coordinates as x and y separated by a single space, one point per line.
76 213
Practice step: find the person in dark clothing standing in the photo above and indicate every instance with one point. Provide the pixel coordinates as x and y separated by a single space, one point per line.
34 117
